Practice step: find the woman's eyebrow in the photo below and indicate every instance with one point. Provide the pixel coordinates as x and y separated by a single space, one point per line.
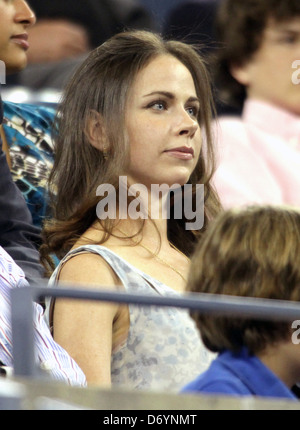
170 96
160 93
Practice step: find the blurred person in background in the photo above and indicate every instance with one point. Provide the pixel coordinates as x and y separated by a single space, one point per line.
19 238
66 31
259 150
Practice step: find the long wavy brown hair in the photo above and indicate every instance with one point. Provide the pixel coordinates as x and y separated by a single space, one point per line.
102 84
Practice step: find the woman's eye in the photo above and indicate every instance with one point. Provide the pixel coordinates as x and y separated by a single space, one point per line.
158 105
193 111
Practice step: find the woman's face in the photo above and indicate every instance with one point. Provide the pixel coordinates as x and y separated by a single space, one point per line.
161 124
15 18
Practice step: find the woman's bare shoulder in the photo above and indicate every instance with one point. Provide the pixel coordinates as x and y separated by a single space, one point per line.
88 268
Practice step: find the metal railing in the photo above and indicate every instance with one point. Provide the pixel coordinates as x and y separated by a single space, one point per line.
22 316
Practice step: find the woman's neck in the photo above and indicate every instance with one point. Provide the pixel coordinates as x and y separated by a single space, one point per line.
148 230
147 207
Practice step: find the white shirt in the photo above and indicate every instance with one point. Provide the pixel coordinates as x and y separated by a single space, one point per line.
50 356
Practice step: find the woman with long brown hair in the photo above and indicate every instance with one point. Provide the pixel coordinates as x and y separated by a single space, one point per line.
134 153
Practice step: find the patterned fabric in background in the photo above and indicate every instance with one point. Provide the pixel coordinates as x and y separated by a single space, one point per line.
27 130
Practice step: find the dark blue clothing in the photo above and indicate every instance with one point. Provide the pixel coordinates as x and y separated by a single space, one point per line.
18 236
239 374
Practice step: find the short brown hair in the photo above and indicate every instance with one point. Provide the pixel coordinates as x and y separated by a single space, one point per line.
239 26
253 252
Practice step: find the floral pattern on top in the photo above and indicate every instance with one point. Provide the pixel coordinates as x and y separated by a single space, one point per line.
163 350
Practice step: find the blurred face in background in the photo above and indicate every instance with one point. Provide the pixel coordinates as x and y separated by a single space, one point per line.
268 75
15 18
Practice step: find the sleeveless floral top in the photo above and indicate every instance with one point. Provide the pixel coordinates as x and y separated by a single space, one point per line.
163 350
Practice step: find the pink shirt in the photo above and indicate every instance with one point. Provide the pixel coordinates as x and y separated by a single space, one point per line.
258 156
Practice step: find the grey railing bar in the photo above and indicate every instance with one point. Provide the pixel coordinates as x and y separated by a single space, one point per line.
22 332
282 310
22 324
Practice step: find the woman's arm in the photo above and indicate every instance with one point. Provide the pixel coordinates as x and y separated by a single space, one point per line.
85 328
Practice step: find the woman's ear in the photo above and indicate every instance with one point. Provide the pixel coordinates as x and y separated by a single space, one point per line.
95 131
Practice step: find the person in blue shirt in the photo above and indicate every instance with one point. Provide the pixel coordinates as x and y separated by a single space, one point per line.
251 252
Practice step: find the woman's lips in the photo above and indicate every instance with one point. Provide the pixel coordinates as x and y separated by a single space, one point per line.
22 40
182 153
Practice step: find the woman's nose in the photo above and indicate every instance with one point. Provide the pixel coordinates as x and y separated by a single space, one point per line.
24 14
188 125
